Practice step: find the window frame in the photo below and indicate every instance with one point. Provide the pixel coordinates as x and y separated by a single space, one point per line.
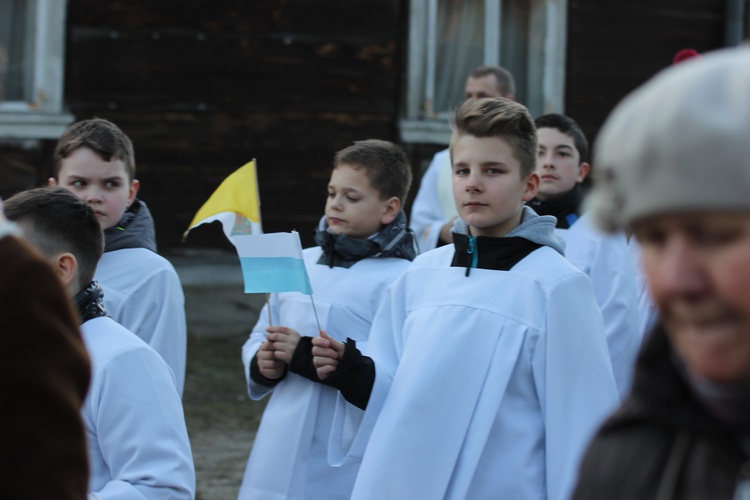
546 64
44 116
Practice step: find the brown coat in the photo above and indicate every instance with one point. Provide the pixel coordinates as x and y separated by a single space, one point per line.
44 375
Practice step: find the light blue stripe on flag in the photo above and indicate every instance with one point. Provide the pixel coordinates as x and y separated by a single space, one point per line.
275 274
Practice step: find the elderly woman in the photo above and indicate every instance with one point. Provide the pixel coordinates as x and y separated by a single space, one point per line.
674 160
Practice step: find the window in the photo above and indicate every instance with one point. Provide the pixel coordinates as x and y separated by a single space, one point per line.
32 55
449 38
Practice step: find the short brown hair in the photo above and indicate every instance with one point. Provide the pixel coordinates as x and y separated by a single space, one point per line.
386 165
501 118
506 84
100 136
56 221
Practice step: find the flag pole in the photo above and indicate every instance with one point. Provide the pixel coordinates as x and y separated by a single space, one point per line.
317 320
268 306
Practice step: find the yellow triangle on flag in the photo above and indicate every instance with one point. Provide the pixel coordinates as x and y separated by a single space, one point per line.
237 194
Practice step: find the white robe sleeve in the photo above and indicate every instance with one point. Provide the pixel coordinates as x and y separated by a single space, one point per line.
574 379
351 427
140 430
155 311
427 215
607 260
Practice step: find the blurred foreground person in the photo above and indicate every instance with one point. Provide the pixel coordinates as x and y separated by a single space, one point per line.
675 163
44 376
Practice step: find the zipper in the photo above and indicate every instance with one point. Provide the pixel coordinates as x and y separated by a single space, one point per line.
473 261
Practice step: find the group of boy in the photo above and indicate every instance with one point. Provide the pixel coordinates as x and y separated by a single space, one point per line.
479 369
99 239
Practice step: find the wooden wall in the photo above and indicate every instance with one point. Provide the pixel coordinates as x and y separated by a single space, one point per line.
614 46
202 87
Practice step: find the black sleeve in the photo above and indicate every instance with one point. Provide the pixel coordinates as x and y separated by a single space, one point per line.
302 360
354 376
258 378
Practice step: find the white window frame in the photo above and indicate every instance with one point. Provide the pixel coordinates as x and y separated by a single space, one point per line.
546 65
43 117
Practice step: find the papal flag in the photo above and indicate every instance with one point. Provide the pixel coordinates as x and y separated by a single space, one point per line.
270 262
235 203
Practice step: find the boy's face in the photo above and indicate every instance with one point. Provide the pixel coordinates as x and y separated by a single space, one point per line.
558 164
354 207
487 184
102 184
698 270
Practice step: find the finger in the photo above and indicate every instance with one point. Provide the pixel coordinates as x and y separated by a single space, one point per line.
325 372
321 342
325 352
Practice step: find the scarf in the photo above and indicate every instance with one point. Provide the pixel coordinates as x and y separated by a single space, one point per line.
565 208
90 302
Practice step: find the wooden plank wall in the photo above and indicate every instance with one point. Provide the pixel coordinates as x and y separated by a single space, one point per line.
203 87
614 46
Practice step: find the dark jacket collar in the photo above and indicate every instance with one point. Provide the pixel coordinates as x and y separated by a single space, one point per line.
566 208
134 230
340 250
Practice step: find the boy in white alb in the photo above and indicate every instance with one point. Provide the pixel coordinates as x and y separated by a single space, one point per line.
138 444
605 258
364 245
95 160
491 369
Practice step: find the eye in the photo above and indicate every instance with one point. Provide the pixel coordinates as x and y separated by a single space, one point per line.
650 236
352 199
709 237
461 171
331 194
564 154
112 184
78 183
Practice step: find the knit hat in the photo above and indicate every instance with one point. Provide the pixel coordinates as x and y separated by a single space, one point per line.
681 142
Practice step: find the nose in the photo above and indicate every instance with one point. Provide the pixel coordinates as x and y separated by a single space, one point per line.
544 160
678 270
473 181
92 195
335 202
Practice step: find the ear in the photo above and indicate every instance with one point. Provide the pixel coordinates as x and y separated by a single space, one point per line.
135 185
532 186
392 208
66 268
583 170
52 181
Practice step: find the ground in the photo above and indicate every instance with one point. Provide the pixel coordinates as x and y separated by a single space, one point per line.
221 419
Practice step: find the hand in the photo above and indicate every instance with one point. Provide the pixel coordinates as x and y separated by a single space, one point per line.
445 232
327 352
268 365
284 341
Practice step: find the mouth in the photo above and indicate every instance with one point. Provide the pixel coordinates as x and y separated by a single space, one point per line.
549 178
335 220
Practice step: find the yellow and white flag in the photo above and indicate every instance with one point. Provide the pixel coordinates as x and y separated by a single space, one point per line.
235 203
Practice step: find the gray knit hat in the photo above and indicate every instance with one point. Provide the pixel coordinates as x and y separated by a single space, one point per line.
681 142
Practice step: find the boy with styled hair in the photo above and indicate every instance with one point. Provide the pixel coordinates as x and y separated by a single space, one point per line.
138 444
434 210
364 245
490 366
606 259
95 160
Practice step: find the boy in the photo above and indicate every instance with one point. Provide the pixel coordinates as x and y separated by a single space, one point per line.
606 259
137 440
95 160
434 211
491 367
675 165
364 245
